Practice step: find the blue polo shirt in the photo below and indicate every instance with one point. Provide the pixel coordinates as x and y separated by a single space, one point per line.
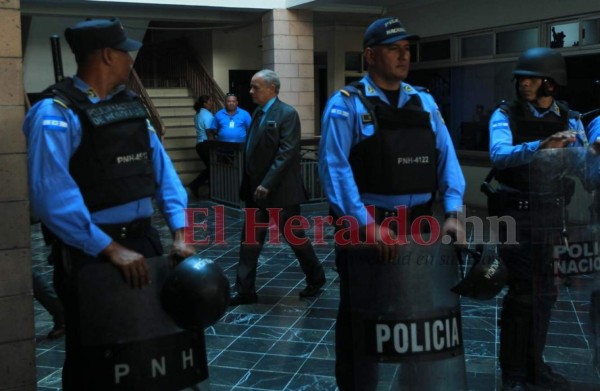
231 127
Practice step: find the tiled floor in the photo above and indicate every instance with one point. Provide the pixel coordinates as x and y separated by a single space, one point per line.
284 343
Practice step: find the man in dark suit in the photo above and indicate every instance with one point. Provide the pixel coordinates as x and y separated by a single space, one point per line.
272 183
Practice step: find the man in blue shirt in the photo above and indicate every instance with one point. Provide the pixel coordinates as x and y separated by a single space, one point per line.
95 163
385 166
231 122
533 122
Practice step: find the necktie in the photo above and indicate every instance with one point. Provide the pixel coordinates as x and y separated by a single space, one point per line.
254 124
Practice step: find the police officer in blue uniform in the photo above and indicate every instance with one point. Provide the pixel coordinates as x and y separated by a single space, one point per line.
533 122
95 163
384 144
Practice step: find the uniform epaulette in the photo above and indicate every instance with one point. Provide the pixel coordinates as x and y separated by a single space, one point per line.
60 102
504 106
421 89
344 92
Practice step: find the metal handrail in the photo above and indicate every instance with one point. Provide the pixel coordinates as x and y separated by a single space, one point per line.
136 85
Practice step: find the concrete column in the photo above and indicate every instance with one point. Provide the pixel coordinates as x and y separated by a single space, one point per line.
288 49
17 331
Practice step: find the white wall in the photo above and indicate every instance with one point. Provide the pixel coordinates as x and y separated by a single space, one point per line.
239 49
37 61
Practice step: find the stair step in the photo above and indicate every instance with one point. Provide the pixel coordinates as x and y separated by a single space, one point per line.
168 92
178 121
182 153
173 102
180 131
188 166
179 142
165 112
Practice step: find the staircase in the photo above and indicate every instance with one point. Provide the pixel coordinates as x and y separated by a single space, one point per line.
175 107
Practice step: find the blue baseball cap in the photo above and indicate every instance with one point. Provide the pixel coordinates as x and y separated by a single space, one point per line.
385 31
96 34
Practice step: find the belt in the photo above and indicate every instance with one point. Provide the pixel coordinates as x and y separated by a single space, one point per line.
524 202
411 213
134 229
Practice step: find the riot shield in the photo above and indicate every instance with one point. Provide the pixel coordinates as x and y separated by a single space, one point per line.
565 250
406 322
129 341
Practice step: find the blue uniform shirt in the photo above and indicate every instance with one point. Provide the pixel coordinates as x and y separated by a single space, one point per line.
202 121
231 127
504 154
593 130
53 135
342 129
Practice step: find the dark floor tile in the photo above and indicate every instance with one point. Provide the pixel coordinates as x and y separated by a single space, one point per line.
265 380
251 345
264 332
318 367
301 335
225 376
218 342
294 349
241 360
277 321
279 363
306 382
314 323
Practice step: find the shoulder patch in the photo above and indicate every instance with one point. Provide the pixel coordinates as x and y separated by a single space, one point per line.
370 89
339 112
56 124
407 88
344 92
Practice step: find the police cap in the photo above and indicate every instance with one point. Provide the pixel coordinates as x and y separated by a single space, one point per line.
385 31
96 34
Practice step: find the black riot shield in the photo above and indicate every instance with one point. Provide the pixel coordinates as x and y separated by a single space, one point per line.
565 233
129 341
406 322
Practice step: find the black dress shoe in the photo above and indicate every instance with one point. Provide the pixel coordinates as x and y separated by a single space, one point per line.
312 290
243 299
546 378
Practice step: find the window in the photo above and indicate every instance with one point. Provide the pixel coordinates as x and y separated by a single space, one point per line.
354 62
434 50
477 46
590 32
564 35
515 41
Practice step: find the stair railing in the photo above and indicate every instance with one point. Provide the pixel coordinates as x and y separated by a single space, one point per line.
136 85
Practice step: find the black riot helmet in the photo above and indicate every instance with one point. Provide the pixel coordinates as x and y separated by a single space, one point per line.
487 275
542 62
196 293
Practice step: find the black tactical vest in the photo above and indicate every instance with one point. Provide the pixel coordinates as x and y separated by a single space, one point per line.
526 127
400 158
113 163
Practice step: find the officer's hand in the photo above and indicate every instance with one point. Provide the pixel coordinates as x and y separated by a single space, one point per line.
180 250
559 140
261 193
387 243
453 227
132 264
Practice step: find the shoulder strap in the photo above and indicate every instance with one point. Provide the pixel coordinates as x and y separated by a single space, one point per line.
357 88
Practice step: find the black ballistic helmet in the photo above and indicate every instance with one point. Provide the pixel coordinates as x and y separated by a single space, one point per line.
487 275
542 62
196 293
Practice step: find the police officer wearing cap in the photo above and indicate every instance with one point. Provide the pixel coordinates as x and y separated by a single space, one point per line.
518 130
358 171
95 163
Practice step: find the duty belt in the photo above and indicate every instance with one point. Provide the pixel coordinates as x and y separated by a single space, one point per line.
523 201
411 213
134 229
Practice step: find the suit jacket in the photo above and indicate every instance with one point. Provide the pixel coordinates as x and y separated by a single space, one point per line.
273 158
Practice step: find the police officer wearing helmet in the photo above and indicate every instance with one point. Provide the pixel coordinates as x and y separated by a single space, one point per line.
356 172
533 122
95 163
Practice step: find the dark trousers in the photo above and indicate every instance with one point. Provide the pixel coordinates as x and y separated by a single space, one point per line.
46 295
203 151
526 308
66 270
249 252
